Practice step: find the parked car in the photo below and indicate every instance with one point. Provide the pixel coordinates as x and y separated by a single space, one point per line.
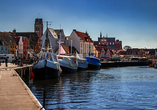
2 59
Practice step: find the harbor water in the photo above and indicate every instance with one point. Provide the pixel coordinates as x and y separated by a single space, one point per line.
121 88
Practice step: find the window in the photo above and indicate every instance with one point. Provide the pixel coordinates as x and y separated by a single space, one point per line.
5 48
1 48
81 45
55 57
91 59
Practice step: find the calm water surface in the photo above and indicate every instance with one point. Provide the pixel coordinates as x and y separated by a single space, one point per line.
111 88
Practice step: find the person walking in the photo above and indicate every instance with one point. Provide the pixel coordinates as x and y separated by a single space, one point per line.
6 61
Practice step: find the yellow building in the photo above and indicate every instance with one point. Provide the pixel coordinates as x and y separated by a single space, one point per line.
7 39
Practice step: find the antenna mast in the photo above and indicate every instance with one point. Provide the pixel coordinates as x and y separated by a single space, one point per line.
47 42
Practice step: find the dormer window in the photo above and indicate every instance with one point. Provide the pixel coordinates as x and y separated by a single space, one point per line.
2 42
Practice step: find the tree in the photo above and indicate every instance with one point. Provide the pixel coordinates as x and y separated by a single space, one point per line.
126 47
33 41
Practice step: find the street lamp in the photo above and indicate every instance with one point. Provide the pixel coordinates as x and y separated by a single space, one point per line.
12 46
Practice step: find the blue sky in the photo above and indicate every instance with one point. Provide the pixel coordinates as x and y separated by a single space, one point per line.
134 22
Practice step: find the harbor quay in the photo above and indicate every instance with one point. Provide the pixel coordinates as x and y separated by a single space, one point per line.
14 93
123 63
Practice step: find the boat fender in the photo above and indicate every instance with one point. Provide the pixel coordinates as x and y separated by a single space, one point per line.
60 69
32 75
75 60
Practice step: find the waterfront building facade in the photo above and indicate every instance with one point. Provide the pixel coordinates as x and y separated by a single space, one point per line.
82 42
32 40
8 44
106 46
25 48
20 47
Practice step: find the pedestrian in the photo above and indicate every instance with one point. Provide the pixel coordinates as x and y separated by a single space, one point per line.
6 61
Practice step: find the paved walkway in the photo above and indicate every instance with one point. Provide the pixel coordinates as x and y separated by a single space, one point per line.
14 94
10 65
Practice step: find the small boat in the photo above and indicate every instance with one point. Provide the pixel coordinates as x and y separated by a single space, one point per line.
47 66
68 64
82 62
93 62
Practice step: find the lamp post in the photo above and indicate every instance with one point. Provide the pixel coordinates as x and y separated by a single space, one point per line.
12 46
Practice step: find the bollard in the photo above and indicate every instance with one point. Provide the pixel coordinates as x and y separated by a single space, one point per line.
21 73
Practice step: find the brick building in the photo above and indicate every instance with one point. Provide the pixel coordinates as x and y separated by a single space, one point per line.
106 44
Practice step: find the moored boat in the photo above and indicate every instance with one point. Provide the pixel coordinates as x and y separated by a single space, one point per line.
93 62
82 62
68 64
47 66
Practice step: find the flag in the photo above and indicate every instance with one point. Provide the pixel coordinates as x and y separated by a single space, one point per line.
89 54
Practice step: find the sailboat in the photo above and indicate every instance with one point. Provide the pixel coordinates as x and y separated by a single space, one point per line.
47 66
68 64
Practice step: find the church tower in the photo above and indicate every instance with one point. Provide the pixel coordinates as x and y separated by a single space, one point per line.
100 35
38 26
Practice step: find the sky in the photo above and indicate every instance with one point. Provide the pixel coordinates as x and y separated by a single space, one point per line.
134 22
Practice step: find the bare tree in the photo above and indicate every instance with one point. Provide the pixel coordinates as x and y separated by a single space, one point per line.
126 47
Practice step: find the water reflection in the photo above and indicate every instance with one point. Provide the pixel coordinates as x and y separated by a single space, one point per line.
112 88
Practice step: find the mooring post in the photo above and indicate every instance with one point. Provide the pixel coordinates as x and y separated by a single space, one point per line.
29 73
44 98
21 72
24 71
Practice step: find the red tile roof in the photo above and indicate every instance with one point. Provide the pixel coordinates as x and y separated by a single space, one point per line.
83 36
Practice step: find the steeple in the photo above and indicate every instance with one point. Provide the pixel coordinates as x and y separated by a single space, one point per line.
100 34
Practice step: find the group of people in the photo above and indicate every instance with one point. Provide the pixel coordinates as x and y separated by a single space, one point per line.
6 62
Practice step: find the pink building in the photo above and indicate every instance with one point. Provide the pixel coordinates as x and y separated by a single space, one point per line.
25 48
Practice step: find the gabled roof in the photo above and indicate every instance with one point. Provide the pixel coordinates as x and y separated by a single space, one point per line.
7 38
58 32
53 33
68 49
84 36
26 34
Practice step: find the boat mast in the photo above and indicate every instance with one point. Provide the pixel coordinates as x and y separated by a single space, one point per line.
47 42
59 39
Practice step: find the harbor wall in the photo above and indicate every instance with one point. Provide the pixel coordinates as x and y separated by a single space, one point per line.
122 63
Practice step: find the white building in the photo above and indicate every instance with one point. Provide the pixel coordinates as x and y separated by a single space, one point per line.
82 42
54 36
20 47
